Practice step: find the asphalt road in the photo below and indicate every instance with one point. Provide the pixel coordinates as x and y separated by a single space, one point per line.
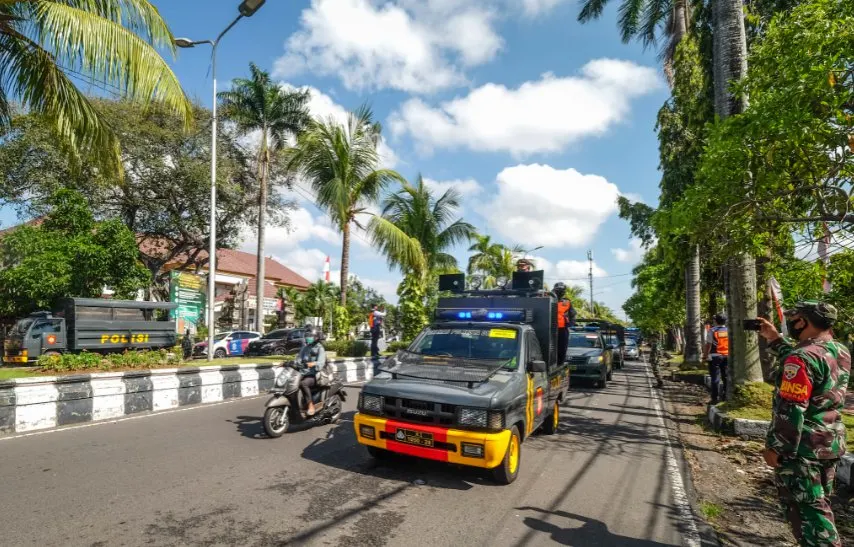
208 476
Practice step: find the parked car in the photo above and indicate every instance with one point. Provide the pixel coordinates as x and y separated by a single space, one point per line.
619 354
365 336
227 344
631 350
277 342
589 357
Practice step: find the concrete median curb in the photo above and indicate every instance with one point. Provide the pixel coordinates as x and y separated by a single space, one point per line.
43 402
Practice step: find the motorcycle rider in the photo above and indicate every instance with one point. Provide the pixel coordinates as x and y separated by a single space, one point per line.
312 357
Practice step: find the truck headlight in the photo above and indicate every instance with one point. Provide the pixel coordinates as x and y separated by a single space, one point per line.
473 417
370 403
496 419
594 360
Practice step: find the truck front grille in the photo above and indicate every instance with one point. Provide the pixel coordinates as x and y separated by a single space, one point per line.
425 412
577 360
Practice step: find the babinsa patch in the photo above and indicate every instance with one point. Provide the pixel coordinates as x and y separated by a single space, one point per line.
796 385
790 370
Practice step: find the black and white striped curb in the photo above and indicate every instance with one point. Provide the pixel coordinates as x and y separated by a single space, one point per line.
757 429
32 404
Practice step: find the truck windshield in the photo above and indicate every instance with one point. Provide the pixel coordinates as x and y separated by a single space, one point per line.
479 344
22 326
584 341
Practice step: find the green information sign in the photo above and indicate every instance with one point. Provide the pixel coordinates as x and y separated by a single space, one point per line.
186 290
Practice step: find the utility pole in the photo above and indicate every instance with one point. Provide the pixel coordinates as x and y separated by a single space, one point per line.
590 277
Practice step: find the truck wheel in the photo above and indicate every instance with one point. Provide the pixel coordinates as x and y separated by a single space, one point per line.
219 354
51 353
553 421
508 469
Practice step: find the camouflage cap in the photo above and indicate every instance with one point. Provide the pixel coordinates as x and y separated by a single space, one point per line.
815 308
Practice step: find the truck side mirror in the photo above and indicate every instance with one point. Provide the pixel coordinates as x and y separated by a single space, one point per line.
536 365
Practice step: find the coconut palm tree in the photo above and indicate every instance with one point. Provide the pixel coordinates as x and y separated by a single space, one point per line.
110 45
259 105
341 164
644 20
319 299
416 231
730 65
492 260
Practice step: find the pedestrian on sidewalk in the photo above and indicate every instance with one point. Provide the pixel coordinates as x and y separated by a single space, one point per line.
376 322
654 358
716 352
187 345
806 438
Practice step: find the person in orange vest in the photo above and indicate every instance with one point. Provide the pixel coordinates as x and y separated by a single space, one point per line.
565 319
716 351
375 321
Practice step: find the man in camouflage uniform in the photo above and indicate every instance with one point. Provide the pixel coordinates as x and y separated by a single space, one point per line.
655 358
806 438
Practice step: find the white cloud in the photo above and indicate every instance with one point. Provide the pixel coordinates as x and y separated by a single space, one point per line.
418 47
540 116
538 7
322 106
303 227
571 272
632 254
386 287
465 187
540 205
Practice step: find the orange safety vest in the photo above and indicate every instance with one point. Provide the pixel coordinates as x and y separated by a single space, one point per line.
562 309
371 320
721 338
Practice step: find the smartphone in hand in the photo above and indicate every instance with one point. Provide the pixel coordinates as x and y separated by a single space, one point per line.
751 324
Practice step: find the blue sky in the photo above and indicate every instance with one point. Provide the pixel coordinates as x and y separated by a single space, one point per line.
541 122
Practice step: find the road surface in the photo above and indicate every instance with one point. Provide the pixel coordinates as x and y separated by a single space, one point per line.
208 476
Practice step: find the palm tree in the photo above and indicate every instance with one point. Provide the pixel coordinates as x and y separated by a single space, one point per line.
644 19
730 65
415 231
341 163
492 260
319 298
259 105
111 45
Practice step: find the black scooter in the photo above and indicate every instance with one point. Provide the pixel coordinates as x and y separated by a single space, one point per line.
286 406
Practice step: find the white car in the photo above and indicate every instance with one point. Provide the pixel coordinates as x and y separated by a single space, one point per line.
227 344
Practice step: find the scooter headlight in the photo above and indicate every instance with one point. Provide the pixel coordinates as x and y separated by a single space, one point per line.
281 379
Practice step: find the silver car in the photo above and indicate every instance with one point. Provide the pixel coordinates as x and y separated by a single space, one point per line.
631 350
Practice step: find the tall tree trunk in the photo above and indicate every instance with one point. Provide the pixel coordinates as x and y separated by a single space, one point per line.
680 21
262 225
764 310
693 326
730 65
345 261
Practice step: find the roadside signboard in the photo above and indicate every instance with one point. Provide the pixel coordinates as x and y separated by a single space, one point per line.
186 290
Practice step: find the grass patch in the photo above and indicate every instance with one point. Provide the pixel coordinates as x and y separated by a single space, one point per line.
691 372
848 420
750 402
676 360
710 511
10 373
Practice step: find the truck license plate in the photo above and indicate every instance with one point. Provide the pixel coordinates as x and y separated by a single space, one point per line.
573 368
417 438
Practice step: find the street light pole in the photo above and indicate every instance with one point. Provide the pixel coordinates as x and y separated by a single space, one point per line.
247 8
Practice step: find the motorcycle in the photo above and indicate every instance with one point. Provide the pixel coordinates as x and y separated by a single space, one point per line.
286 406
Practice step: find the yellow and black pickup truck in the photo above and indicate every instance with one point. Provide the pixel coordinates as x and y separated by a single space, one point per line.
474 384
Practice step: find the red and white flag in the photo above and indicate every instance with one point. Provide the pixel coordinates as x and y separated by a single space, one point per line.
777 297
326 270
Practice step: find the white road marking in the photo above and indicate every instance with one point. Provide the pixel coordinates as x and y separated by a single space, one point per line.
691 534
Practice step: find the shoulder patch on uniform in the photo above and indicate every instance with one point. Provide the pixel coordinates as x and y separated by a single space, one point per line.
796 385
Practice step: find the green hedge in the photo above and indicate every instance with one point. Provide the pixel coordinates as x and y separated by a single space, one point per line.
394 347
347 348
94 361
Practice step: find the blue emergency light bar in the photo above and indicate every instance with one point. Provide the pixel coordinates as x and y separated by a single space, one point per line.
510 315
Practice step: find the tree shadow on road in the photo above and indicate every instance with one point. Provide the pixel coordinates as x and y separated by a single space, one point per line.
591 531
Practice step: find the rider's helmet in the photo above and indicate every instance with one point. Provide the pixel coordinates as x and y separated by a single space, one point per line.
312 335
559 289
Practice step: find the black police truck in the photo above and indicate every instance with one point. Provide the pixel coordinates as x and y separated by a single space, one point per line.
474 384
91 324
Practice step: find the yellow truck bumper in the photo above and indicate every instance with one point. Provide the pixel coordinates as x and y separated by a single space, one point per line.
447 444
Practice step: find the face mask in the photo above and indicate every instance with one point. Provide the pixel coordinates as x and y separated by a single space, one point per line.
309 340
793 330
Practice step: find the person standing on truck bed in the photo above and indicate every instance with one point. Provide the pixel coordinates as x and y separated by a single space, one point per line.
565 319
524 265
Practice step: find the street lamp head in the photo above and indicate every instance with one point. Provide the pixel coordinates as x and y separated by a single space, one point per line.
184 42
248 8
